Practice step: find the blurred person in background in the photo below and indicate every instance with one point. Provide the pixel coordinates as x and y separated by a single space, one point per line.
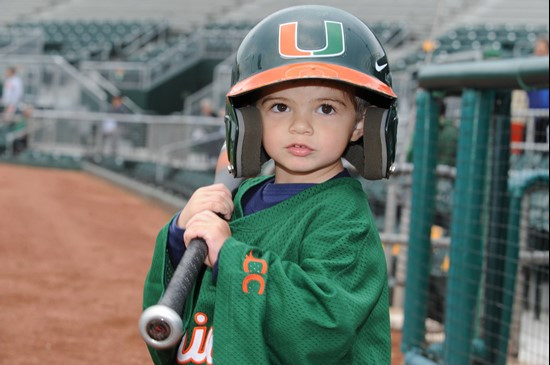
12 94
207 109
110 132
538 99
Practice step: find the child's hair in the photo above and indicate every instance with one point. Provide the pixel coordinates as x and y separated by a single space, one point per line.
321 44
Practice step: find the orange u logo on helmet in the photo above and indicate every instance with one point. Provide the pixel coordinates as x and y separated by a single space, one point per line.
334 41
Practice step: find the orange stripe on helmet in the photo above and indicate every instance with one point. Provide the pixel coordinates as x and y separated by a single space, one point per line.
311 70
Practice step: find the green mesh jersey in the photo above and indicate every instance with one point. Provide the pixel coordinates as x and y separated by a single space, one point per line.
302 282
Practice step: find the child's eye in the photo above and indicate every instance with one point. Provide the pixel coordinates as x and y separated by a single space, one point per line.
279 108
326 109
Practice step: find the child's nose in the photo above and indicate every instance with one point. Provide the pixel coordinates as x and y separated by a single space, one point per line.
301 124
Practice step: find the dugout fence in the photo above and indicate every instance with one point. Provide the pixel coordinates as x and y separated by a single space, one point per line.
498 223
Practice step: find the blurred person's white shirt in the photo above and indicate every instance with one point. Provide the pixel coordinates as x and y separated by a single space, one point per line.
12 91
109 126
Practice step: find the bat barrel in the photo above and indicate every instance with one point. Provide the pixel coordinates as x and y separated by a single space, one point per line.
160 325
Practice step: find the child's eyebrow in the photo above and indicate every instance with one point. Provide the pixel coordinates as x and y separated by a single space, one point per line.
339 101
283 99
268 99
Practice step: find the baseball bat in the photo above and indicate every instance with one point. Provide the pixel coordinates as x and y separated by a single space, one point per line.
161 325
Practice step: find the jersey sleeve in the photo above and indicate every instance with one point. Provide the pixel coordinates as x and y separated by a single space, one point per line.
329 307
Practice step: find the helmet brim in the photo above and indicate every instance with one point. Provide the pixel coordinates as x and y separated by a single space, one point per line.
311 70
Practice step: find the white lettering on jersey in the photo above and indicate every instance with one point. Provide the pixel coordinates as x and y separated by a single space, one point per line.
199 350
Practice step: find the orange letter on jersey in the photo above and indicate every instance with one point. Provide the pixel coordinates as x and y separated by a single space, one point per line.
254 277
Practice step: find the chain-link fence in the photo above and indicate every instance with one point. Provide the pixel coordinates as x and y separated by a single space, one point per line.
483 299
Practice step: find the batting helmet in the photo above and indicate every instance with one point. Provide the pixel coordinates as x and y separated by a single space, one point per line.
312 42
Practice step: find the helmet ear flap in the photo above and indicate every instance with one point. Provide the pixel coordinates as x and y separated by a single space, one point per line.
249 154
374 156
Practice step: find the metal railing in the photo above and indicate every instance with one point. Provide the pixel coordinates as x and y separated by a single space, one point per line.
167 155
138 137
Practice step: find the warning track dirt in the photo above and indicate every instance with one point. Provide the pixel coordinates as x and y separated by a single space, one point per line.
74 252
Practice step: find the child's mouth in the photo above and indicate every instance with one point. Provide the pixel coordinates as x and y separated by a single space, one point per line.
299 150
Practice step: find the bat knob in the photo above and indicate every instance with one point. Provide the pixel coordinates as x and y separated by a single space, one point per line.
160 326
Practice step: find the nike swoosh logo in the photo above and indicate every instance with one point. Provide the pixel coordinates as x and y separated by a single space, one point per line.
378 67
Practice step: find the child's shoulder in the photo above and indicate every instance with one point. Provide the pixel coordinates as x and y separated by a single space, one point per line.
339 195
344 186
342 200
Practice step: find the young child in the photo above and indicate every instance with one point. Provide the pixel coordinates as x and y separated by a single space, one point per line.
295 272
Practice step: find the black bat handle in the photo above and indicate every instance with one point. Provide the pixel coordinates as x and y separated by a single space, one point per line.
185 275
160 325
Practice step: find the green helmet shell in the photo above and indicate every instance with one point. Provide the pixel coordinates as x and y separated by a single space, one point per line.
315 42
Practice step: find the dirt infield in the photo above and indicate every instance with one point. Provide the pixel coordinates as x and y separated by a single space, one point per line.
74 251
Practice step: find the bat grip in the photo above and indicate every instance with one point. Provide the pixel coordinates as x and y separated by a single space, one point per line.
185 275
160 325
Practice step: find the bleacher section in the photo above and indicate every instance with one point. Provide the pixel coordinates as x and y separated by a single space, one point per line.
471 42
183 16
418 15
21 41
94 40
14 11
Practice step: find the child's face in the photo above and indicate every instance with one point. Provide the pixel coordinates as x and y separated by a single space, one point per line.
306 130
